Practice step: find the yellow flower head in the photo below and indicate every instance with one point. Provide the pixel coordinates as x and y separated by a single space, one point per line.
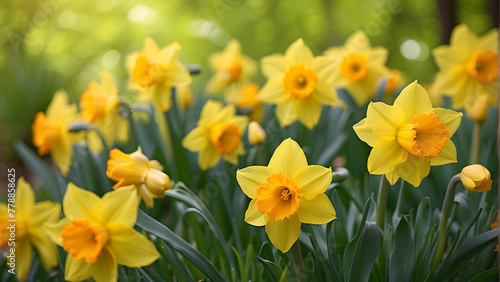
154 72
98 234
360 67
137 170
51 131
286 193
99 105
408 137
218 135
299 84
245 98
231 67
256 134
28 227
476 178
468 66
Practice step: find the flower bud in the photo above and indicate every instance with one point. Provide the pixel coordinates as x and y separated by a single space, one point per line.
185 97
477 111
476 178
256 134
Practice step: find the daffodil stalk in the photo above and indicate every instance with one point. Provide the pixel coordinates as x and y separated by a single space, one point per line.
298 262
78 126
476 138
448 202
130 119
382 201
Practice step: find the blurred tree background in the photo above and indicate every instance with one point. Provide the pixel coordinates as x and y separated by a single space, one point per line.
53 44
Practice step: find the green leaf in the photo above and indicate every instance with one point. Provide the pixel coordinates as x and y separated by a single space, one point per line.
149 275
366 252
151 225
403 254
270 266
485 275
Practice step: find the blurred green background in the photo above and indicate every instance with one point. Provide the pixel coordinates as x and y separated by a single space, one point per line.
53 44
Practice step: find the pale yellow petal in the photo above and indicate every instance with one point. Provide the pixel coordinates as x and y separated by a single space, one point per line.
130 248
384 120
451 119
161 97
298 52
250 178
308 111
77 270
357 42
253 216
119 206
377 55
167 54
283 233
46 249
318 210
196 140
24 256
210 110
151 49
288 158
463 37
54 230
489 41
177 75
62 154
365 132
414 169
326 94
448 155
208 157
273 65
386 155
392 177
285 113
413 100
324 68
448 57
25 198
313 180
105 268
217 83
79 203
108 83
44 212
273 91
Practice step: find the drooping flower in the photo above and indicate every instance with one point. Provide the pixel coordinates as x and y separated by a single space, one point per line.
98 234
476 178
51 131
218 135
245 98
286 193
256 134
154 72
408 137
99 105
137 170
360 67
468 66
27 222
299 84
231 67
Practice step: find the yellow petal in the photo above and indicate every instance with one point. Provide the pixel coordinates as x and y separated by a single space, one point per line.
62 155
384 120
318 210
288 158
44 212
308 111
108 83
414 169
210 109
167 54
79 203
234 155
413 100
177 75
151 48
208 157
273 65
285 113
392 176
273 91
386 155
489 41
250 178
283 233
365 132
77 270
324 68
253 216
298 52
24 255
217 83
448 57
54 230
313 180
377 55
448 155
119 206
357 42
130 248
46 249
161 96
105 268
451 119
25 198
326 94
463 37
196 140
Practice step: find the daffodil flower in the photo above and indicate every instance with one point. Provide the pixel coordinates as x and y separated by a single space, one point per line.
408 137
231 67
299 84
154 72
468 67
360 67
286 193
218 135
98 234
51 131
28 227
244 96
137 170
99 105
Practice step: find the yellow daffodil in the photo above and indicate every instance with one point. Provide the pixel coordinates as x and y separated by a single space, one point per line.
231 66
468 66
137 170
154 72
408 137
256 134
394 81
99 105
51 131
98 234
477 107
360 67
26 223
286 193
245 98
218 135
476 178
298 83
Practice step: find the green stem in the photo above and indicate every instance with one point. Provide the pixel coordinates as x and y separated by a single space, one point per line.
447 204
382 201
130 119
476 138
298 262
